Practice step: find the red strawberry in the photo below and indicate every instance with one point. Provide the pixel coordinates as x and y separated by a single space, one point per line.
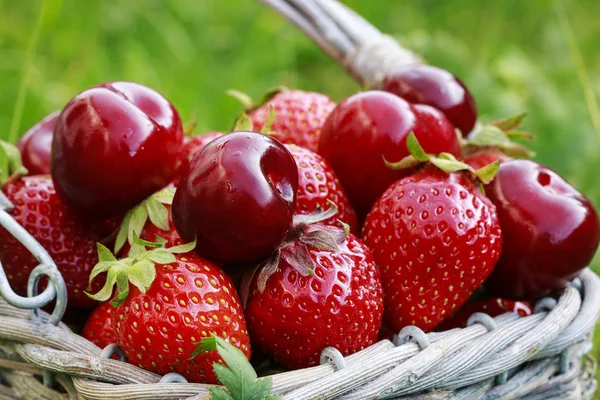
191 146
299 116
492 307
170 308
317 185
99 328
293 314
70 242
436 238
485 157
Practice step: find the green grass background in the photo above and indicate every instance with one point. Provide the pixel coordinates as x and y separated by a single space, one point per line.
513 54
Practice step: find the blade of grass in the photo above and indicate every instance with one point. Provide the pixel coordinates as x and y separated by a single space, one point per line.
584 79
22 93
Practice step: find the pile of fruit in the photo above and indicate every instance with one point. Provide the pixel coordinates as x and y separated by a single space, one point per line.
310 225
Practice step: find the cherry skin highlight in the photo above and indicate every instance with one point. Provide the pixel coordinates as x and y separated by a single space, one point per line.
426 84
550 230
114 145
366 128
36 144
237 198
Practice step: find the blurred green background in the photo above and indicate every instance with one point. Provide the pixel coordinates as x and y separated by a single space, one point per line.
513 54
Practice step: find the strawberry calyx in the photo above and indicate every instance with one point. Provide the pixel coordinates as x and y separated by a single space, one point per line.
15 169
248 103
153 209
243 123
499 135
306 233
137 269
190 126
443 161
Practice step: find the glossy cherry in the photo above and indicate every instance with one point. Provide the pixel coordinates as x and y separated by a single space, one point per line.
425 84
114 145
36 144
366 128
238 198
550 230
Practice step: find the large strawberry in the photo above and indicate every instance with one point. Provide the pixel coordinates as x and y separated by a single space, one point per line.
492 307
318 186
99 328
436 238
177 299
321 290
300 116
70 242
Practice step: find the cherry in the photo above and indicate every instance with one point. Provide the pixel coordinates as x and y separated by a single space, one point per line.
114 145
366 128
35 146
425 84
550 230
237 198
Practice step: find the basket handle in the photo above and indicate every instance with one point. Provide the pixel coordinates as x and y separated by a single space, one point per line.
56 288
367 54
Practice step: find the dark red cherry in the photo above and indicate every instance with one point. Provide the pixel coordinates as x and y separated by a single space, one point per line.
366 128
550 231
36 144
425 84
114 145
238 198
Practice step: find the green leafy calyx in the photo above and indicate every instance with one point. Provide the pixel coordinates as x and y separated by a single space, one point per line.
15 164
500 135
443 161
154 209
137 269
237 375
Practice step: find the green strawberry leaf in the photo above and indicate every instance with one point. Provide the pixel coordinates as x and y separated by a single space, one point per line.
153 209
139 268
243 123
449 166
15 165
415 149
158 213
487 173
142 273
242 97
510 123
266 129
238 376
190 126
406 162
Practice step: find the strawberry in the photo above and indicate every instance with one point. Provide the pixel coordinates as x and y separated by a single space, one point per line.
321 290
70 242
485 157
300 116
492 307
99 328
436 238
318 185
177 299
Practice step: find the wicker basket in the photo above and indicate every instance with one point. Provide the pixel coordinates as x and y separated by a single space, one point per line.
542 356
